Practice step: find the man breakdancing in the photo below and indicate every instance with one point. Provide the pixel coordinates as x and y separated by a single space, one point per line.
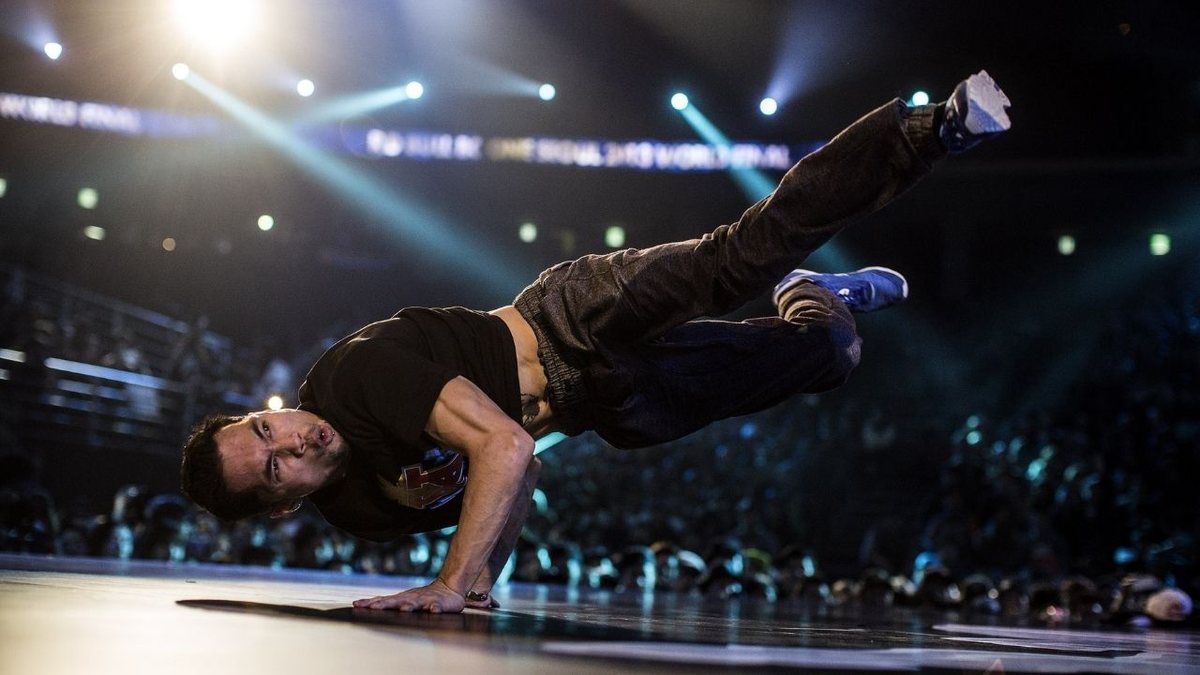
396 416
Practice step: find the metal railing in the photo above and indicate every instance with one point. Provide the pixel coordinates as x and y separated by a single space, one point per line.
79 369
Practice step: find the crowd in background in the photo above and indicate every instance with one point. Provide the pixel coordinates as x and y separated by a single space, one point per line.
1082 509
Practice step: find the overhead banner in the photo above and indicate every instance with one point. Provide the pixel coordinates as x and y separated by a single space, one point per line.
413 144
591 153
106 117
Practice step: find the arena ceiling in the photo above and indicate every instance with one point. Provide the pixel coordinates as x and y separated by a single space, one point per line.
1107 115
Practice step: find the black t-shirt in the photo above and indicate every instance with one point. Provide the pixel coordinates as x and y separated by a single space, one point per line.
377 387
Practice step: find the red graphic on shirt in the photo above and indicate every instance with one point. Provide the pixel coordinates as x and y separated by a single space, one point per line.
420 488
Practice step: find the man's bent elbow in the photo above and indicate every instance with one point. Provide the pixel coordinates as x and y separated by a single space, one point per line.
515 444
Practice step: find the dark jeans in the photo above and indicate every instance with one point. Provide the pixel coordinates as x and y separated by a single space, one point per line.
618 334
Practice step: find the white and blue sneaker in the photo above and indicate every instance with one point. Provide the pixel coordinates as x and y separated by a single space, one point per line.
866 290
974 113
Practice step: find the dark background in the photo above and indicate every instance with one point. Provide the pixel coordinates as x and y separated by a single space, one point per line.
1105 147
1106 120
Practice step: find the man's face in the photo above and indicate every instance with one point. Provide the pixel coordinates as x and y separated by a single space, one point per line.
282 455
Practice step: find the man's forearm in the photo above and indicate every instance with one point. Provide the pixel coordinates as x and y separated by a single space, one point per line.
511 532
496 477
499 452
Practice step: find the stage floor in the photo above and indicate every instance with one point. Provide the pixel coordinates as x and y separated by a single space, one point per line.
75 615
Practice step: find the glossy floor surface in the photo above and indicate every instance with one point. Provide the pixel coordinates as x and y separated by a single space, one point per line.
100 616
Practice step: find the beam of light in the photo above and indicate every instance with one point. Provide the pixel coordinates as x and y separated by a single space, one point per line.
414 90
449 31
755 185
547 92
353 105
679 101
1112 274
53 50
816 46
405 219
768 106
479 78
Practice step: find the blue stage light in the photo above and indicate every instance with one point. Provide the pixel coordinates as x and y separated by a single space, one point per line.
679 101
305 88
547 92
53 50
768 106
414 90
919 98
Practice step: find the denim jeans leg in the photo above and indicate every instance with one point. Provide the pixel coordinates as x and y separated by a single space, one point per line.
705 370
587 312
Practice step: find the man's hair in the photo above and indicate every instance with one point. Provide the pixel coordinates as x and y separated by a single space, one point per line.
202 480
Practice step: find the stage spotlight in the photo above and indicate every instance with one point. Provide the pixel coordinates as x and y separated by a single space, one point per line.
180 71
305 88
168 244
88 198
414 89
919 98
3 186
546 92
265 222
53 50
614 236
768 106
679 101
217 22
1066 244
94 233
527 232
275 402
1160 244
